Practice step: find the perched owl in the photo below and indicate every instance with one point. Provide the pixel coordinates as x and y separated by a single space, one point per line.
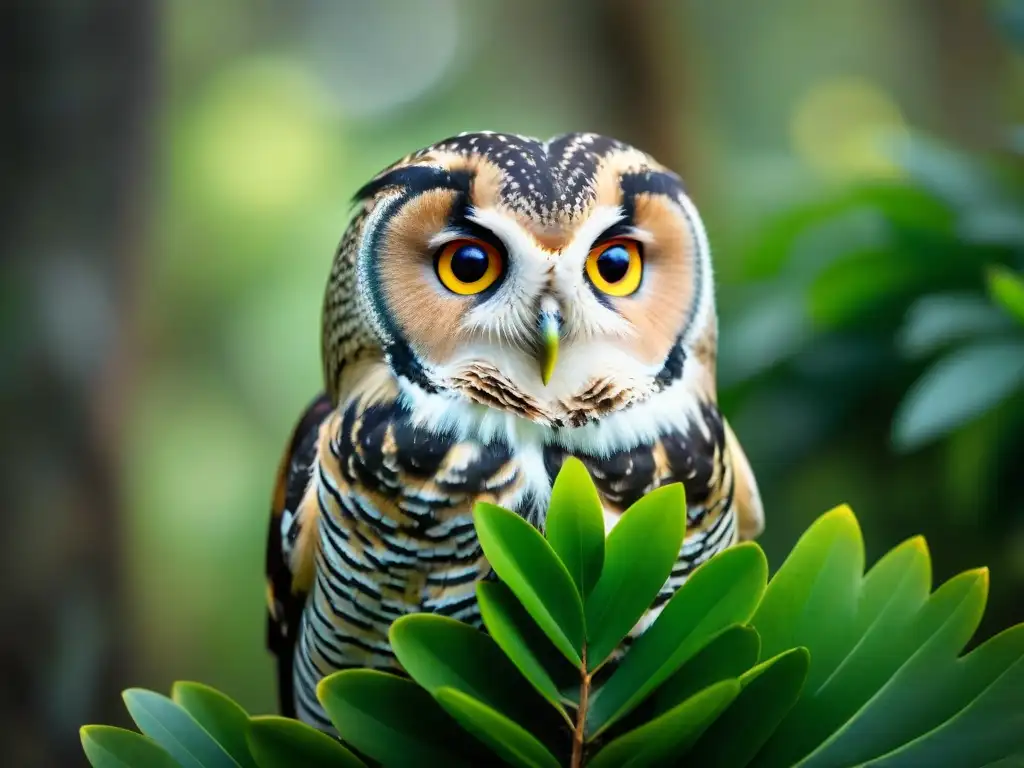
497 304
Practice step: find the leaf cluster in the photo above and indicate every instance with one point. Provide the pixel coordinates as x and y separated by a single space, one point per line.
823 665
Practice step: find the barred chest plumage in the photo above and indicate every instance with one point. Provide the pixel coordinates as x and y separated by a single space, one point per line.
394 530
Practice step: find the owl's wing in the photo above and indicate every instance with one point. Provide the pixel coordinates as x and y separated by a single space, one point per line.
747 497
289 556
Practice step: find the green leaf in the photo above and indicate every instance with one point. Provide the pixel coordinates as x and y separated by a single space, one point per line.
509 740
987 689
995 226
109 747
575 524
1009 17
958 388
852 287
280 742
671 734
723 591
1007 289
958 178
524 560
392 720
793 241
769 329
940 319
639 554
892 595
219 715
728 655
768 693
912 701
440 652
821 577
522 641
173 728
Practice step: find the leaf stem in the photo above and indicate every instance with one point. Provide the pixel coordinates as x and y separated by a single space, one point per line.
581 713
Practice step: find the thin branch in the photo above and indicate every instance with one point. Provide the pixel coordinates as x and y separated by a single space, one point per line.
581 713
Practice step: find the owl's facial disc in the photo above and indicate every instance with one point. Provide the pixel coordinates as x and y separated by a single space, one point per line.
559 316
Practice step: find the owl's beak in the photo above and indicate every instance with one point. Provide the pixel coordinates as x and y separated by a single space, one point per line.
550 334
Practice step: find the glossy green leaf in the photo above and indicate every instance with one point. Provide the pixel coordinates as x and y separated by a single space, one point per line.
524 560
175 730
958 388
986 687
393 720
440 652
821 577
575 524
892 595
671 734
219 715
522 640
639 554
109 747
509 740
729 655
941 319
769 691
279 742
912 702
723 591
1007 289
1012 761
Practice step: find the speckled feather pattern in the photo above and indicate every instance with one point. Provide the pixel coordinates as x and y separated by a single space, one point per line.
372 513
548 181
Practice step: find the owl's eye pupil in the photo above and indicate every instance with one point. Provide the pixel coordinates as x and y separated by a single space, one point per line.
613 263
469 263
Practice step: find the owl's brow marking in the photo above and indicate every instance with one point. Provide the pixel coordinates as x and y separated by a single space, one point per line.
652 182
415 180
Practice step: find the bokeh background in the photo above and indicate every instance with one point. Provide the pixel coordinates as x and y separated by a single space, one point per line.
175 178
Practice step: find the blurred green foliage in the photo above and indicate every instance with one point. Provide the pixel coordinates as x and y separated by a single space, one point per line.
868 287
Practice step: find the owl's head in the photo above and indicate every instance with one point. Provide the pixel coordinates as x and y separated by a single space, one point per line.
558 280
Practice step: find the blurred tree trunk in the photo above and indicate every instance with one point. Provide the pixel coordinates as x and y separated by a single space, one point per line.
644 87
78 87
630 63
966 60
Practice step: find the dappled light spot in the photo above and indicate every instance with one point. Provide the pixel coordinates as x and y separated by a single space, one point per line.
841 126
263 137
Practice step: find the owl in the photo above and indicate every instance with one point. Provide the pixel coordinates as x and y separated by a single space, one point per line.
497 304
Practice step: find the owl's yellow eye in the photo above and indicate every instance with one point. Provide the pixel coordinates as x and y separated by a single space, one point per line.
615 267
468 266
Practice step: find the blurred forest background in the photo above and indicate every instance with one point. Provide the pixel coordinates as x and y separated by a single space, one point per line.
175 179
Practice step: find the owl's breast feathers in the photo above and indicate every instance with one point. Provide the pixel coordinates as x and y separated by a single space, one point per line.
372 519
